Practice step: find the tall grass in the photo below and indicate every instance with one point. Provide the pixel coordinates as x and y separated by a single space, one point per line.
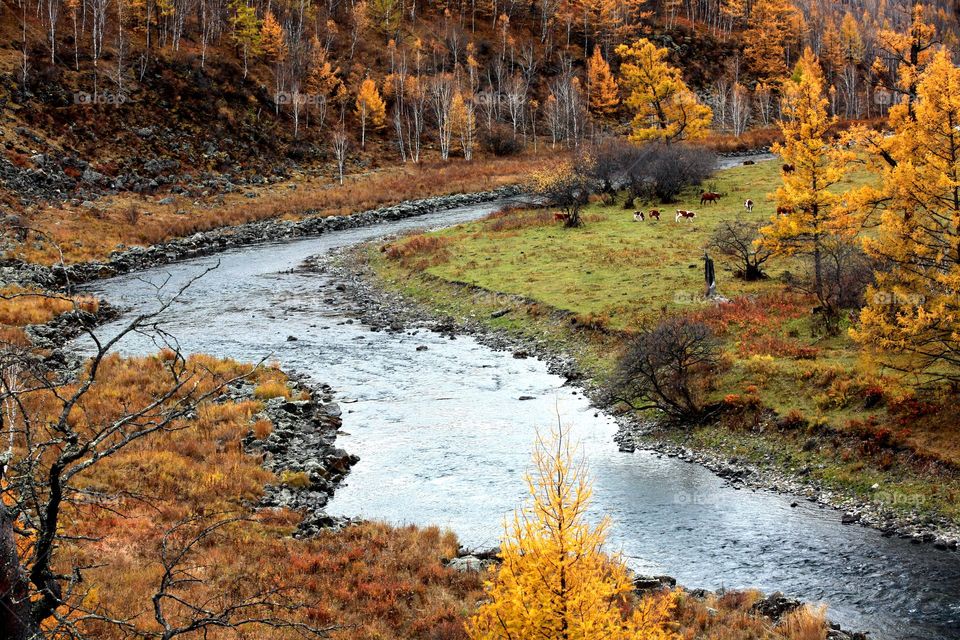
372 580
85 235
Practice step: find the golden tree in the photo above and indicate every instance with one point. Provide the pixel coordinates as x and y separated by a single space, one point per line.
913 311
909 53
246 30
273 42
665 108
370 109
555 580
767 32
604 94
813 164
322 77
463 123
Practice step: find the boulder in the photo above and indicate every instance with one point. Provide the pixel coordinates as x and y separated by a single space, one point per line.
467 564
776 605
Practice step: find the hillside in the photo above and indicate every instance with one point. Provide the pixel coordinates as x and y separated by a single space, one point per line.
152 97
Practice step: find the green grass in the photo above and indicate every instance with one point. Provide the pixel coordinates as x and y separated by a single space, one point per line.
613 267
584 290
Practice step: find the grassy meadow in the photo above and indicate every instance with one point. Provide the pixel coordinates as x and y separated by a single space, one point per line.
837 416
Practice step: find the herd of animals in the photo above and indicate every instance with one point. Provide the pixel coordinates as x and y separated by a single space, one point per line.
706 197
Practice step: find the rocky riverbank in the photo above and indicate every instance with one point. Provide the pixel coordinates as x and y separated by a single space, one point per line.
59 277
916 527
382 309
301 449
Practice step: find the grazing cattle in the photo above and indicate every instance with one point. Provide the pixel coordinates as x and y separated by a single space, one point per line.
638 216
655 214
709 196
784 211
684 215
561 217
748 162
788 168
748 205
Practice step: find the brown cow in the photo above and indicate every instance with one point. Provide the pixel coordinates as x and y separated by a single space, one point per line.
788 168
748 205
655 214
709 196
561 217
784 211
684 215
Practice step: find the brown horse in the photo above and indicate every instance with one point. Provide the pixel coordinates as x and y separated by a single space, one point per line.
709 196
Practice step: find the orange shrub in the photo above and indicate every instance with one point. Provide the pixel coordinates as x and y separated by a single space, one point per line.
20 307
370 580
419 251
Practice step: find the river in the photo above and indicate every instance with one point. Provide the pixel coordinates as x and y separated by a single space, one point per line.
443 438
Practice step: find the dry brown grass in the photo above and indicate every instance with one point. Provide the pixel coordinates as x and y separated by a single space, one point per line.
129 220
730 617
375 580
748 141
20 307
513 219
419 251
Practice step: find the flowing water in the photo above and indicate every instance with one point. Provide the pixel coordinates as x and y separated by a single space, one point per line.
443 438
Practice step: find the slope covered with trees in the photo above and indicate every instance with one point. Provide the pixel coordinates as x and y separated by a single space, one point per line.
146 94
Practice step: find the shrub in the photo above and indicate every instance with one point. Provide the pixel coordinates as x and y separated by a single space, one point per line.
793 420
271 389
295 479
804 623
567 186
501 142
846 272
736 239
668 366
515 218
131 214
420 250
662 171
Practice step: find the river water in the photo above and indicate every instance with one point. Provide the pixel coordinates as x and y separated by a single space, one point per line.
443 438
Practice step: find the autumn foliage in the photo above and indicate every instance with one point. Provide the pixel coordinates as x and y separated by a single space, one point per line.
913 313
555 580
664 107
813 165
369 581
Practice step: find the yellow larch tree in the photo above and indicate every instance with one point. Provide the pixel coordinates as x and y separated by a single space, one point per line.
463 123
851 42
813 164
768 29
603 94
273 42
246 30
665 109
322 77
909 53
322 80
370 109
912 315
555 580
